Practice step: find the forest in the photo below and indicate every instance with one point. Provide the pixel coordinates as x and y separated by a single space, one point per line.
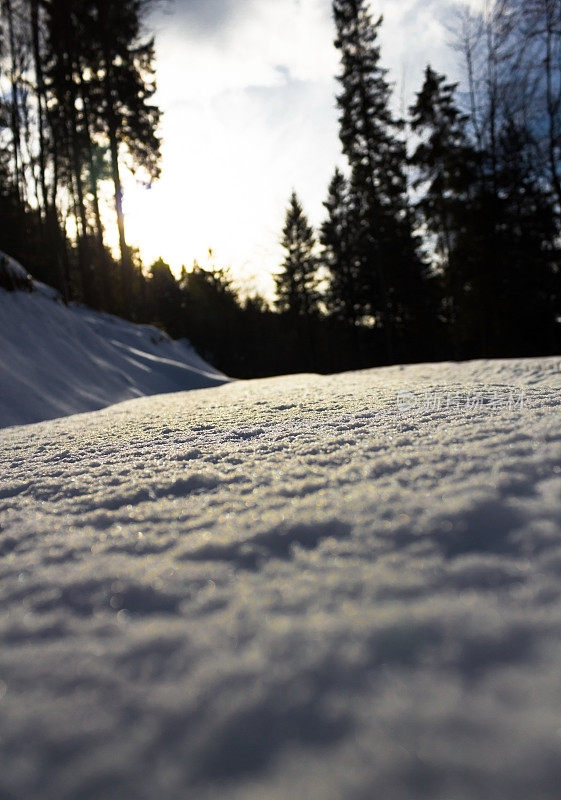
440 238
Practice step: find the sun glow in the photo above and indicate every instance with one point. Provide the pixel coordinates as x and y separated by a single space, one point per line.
249 115
214 193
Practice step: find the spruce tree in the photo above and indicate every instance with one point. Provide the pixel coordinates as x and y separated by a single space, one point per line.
391 285
339 253
447 170
165 298
296 285
444 159
493 227
526 265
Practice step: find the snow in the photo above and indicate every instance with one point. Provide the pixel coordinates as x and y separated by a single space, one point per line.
57 360
12 275
304 587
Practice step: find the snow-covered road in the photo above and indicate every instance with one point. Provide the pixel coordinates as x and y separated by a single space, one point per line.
340 588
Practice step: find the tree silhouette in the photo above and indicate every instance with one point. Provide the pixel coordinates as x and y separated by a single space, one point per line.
386 255
296 284
340 253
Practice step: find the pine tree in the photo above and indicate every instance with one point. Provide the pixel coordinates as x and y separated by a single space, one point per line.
296 285
102 76
62 81
80 76
392 272
124 64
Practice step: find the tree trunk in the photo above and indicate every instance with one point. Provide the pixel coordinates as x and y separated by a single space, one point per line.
104 264
118 186
14 110
40 92
112 130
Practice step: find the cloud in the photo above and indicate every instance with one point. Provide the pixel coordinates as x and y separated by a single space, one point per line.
210 50
208 17
248 92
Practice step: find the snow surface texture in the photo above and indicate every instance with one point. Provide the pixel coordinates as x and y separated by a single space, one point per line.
320 588
57 360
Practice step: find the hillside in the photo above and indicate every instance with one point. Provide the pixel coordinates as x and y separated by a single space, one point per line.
58 360
304 587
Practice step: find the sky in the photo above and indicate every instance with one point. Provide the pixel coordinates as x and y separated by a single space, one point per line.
248 91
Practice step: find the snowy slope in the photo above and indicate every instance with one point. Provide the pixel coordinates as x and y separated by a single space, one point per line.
338 588
57 360
13 276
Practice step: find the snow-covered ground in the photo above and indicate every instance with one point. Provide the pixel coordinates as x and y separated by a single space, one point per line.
57 360
339 588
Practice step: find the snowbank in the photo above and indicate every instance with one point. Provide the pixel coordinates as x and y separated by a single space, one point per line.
13 277
320 588
57 360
